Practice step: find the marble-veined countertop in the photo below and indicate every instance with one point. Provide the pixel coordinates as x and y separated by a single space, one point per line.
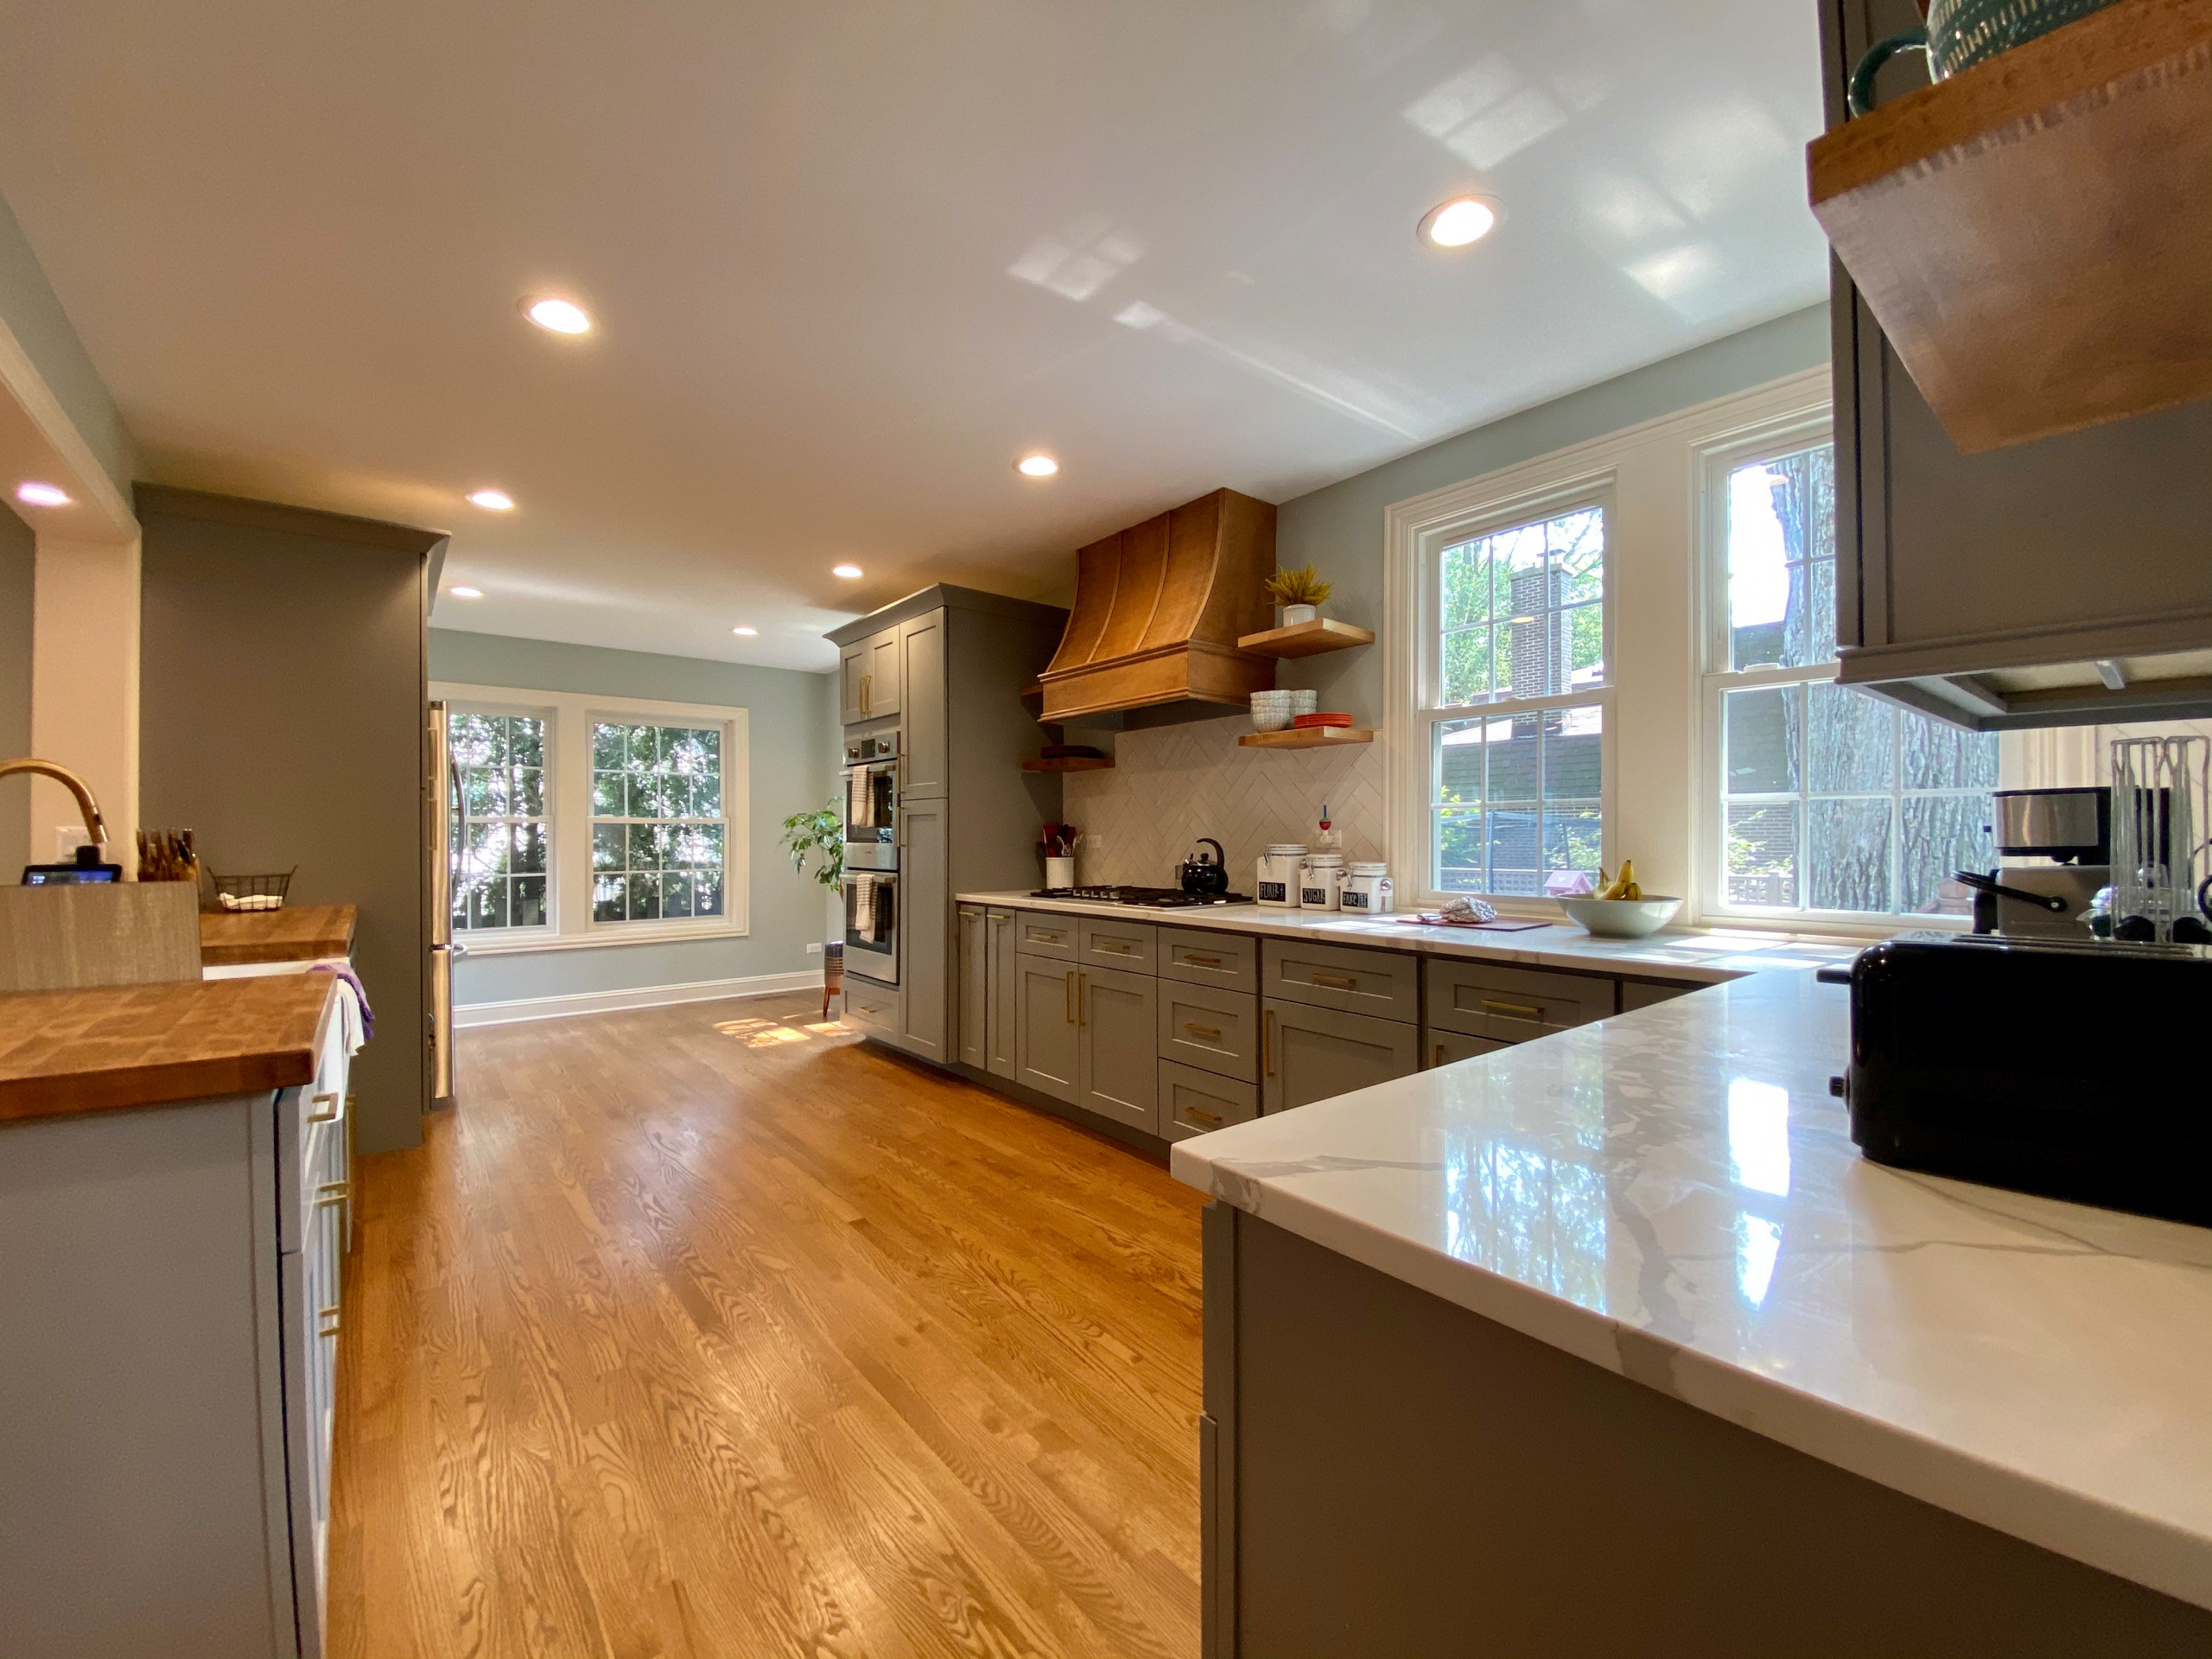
1698 957
1674 1195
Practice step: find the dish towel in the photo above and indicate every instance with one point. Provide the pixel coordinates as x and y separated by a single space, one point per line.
353 1004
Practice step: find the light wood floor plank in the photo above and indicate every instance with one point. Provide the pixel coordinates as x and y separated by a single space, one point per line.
708 1331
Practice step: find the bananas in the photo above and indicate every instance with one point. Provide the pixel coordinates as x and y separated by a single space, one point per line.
1621 886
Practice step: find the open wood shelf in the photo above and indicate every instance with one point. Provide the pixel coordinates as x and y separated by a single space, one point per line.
1313 737
1071 763
2032 234
1305 639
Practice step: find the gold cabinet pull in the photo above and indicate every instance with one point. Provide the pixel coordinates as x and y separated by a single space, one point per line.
1213 1032
1335 982
328 1113
332 1193
1197 960
1519 1010
1203 1117
1439 1060
868 694
1267 1042
1082 990
1067 997
326 1321
1119 950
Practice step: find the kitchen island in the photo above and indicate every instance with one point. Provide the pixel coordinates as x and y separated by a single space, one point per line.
1611 1343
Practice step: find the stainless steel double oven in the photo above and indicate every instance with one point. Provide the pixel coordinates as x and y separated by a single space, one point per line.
871 813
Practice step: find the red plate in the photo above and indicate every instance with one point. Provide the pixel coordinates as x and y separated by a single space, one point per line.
1307 722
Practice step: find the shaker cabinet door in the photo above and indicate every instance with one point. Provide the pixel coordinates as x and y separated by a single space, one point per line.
1046 1027
925 742
1308 1053
1118 1016
1003 1056
975 985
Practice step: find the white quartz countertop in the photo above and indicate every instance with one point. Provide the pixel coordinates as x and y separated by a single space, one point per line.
1706 958
1672 1195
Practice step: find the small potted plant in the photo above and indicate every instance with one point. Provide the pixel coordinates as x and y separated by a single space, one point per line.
821 834
1300 593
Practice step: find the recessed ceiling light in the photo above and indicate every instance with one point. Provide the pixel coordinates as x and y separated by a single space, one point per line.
1036 465
465 593
561 316
747 632
850 572
1457 222
41 495
492 500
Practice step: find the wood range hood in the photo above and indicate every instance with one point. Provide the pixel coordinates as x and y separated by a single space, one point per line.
1159 608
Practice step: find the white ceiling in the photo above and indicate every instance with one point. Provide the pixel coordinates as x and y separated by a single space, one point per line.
851 258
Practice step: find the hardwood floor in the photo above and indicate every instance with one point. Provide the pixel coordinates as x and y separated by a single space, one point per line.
708 1331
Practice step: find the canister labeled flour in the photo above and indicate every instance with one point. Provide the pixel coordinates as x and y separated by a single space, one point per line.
1279 875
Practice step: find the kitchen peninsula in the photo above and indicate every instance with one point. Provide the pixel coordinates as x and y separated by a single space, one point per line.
1613 1343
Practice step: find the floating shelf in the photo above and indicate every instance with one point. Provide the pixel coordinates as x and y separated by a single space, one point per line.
1306 640
1071 763
1313 737
2032 234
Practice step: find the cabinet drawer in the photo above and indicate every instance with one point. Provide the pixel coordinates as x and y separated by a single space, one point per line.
1130 946
1229 960
1449 1048
1212 1029
1198 1102
1642 993
1382 983
1038 933
874 1008
1511 1004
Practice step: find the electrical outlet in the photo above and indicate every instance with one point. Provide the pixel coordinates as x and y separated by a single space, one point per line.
67 838
813 950
1094 843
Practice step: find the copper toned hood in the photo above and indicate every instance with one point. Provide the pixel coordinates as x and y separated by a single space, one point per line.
1159 608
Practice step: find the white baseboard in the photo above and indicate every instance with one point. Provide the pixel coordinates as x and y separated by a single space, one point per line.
644 996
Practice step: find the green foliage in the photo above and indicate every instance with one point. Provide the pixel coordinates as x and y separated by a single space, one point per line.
1299 588
819 834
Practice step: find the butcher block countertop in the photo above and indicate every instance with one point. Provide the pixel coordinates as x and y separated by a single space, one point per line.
69 1052
301 933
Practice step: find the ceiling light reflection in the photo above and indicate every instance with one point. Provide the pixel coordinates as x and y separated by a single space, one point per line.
492 500
465 593
1460 222
33 493
746 634
559 316
1037 465
850 572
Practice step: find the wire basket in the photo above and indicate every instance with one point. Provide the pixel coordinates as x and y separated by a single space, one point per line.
246 892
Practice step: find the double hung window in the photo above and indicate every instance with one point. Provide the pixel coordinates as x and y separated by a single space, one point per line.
499 834
1832 804
1517 689
658 829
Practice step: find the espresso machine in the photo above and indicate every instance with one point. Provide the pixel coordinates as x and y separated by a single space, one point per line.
2071 830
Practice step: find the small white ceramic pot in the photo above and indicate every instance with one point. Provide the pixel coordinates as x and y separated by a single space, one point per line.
1293 616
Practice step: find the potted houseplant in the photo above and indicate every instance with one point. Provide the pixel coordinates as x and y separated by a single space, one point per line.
1300 593
820 835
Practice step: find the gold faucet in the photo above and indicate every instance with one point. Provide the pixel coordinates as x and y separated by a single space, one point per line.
95 826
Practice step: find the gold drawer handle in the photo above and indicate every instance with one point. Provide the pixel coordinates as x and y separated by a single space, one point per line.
332 1193
1067 997
326 1321
1202 962
1267 1042
329 1115
1335 982
1213 1032
1119 950
1521 1009
1203 1117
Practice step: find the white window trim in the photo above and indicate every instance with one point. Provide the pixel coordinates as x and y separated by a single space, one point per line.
1409 527
1769 439
568 766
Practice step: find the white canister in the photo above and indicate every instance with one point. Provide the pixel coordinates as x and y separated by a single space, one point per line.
1320 885
1278 874
1367 889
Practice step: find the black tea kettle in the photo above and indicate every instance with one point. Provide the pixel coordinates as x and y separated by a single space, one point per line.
1201 875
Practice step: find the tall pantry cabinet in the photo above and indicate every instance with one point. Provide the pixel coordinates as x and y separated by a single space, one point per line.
945 669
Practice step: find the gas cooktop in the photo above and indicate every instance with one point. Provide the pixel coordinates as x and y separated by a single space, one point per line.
1145 898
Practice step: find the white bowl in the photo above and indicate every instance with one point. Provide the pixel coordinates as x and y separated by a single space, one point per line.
1273 711
1620 918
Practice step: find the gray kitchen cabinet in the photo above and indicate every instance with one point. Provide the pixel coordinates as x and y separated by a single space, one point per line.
1039 933
1643 994
925 747
975 985
1227 961
1956 575
872 1008
1210 1028
1192 1102
1382 983
1045 1036
1513 1004
1001 1054
852 669
880 683
1309 1053
1102 942
925 928
1117 1020
1450 1047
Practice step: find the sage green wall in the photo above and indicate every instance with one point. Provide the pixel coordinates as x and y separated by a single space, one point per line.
793 735
33 312
1339 530
18 563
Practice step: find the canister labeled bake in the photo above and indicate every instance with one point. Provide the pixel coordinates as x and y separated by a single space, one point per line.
1367 889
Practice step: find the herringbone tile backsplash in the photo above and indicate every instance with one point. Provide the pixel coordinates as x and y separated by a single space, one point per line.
1174 784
